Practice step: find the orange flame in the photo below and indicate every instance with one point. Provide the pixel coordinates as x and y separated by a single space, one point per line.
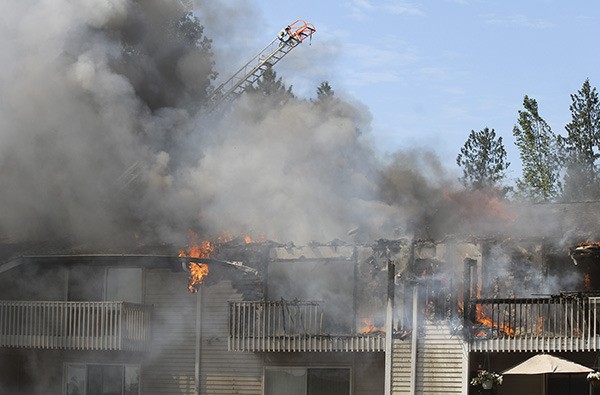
540 325
587 282
589 243
369 327
198 250
484 320
198 271
203 249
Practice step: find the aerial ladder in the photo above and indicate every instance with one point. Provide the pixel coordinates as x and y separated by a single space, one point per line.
248 74
287 39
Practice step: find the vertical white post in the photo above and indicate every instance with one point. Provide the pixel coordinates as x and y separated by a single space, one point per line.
414 340
198 338
389 327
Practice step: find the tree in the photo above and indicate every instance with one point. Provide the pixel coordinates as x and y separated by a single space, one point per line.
580 149
191 32
270 85
324 92
165 56
537 149
483 160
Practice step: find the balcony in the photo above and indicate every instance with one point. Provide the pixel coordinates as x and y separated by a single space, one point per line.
74 325
565 323
274 326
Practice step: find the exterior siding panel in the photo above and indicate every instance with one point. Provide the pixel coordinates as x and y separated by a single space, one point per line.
170 363
440 361
222 371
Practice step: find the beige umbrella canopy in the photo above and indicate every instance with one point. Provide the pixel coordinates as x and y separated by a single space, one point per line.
544 363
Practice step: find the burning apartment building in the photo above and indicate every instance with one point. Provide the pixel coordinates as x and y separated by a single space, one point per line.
107 163
235 315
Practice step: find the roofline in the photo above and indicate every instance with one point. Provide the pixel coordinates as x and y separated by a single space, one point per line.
173 262
138 259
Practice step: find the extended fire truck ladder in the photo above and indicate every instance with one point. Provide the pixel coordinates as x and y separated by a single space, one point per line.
286 40
248 74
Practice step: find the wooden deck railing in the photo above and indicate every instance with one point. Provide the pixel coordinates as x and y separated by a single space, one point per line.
74 325
290 326
542 324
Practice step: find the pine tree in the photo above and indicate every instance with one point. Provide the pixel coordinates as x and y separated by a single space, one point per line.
483 160
537 149
270 85
324 92
165 56
580 149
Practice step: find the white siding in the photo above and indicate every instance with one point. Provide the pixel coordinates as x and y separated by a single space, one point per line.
170 366
170 363
222 371
401 367
440 361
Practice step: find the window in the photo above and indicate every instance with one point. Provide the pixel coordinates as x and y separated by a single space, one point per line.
85 283
307 381
97 379
124 284
94 283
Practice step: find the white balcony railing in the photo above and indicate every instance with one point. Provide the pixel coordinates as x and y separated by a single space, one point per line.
543 324
290 326
74 325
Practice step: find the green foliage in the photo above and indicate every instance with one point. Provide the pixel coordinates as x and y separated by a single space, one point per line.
483 160
165 56
324 92
270 85
190 31
537 149
580 149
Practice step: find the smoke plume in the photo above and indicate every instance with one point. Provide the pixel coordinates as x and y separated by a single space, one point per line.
104 141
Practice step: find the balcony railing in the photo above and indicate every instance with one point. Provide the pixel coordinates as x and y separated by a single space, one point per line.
74 325
290 326
543 324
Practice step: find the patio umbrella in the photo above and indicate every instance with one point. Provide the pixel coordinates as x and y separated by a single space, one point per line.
547 364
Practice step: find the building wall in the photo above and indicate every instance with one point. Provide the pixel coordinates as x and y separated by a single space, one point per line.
34 282
42 372
30 372
401 366
367 368
225 372
169 366
369 373
222 371
441 360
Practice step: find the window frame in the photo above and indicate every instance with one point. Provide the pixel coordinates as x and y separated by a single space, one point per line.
86 365
103 280
349 368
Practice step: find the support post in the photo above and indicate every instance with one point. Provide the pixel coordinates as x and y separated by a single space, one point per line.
389 326
198 338
468 315
414 340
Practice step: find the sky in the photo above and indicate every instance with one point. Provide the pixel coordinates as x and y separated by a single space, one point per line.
429 72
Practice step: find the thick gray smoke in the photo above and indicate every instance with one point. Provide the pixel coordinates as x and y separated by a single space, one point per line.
103 142
90 91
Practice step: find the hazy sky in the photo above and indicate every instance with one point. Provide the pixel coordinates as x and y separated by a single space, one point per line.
431 71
